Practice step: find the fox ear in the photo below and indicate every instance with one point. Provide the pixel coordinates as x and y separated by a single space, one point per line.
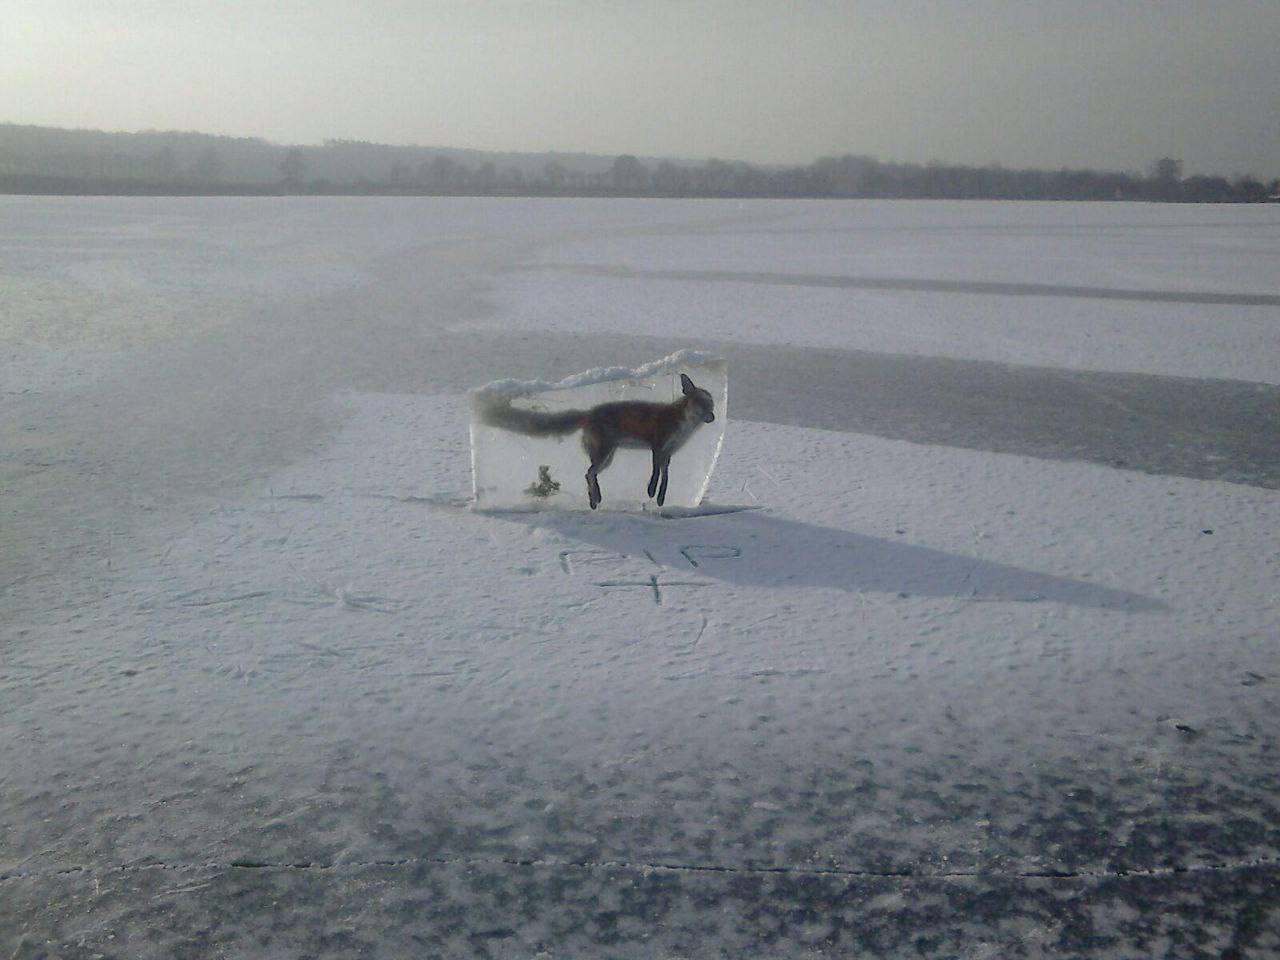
686 384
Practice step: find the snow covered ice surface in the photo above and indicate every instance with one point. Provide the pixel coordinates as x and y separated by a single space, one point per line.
1163 290
519 472
270 687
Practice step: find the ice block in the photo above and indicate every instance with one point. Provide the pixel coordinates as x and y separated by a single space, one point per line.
533 443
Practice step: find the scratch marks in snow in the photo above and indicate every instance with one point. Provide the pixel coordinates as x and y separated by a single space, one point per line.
694 555
653 583
322 595
703 552
215 601
584 557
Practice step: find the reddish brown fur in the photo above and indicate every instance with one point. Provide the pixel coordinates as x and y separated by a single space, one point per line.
645 424
662 427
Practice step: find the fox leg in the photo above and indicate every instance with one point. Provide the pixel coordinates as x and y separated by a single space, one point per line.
657 468
593 485
600 451
662 490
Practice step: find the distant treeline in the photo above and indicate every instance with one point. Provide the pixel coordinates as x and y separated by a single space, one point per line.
44 160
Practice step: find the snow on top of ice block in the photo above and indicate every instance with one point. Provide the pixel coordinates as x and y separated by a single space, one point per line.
667 365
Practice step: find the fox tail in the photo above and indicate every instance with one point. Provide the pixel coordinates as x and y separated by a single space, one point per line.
532 423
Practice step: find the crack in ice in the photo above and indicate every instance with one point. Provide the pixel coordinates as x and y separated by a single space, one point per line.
646 867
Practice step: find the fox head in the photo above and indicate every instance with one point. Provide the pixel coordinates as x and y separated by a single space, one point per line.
700 400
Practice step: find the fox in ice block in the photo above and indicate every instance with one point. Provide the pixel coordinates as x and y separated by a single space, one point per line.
662 427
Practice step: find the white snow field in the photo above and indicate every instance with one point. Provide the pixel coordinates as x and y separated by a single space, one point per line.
969 650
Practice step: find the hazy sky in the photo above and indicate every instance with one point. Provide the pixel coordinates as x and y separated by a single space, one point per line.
1086 83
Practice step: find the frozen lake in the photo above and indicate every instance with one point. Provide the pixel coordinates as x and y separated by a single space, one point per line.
982 662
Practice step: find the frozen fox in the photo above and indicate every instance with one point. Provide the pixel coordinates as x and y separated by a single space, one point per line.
662 427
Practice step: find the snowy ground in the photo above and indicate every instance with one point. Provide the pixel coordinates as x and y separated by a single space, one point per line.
931 675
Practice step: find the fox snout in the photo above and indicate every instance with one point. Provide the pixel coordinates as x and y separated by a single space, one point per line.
709 418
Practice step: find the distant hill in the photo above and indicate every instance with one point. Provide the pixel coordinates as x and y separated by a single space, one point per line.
187 156
37 160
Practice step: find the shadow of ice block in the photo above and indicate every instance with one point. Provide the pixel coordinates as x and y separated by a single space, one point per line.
514 471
